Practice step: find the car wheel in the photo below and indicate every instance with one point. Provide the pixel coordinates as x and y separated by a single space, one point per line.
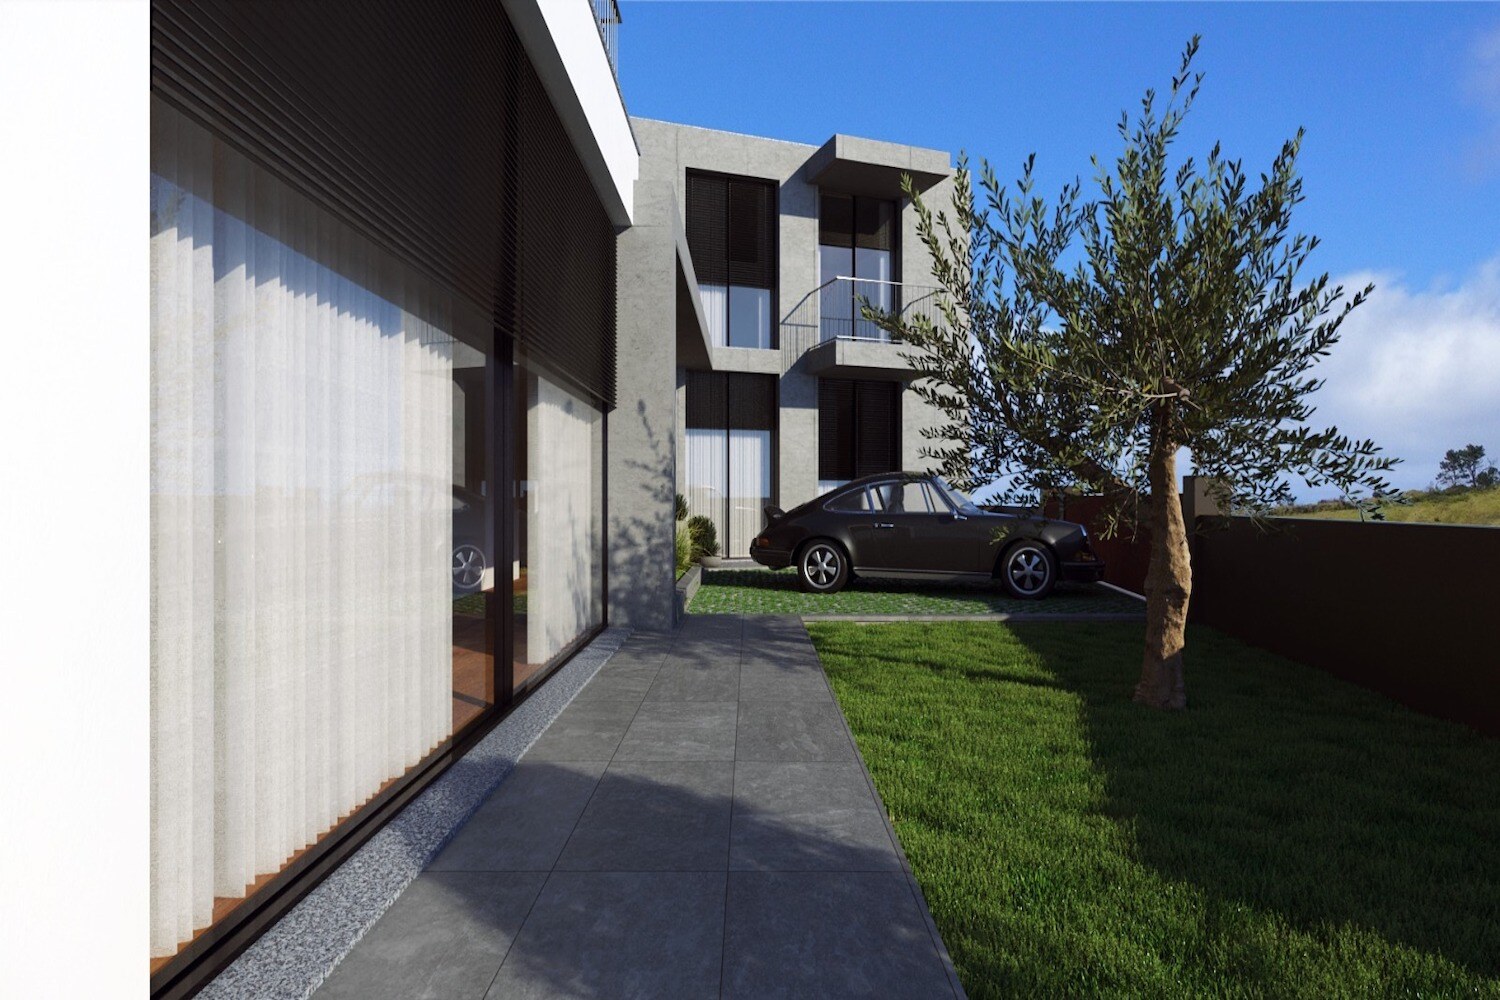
468 567
823 568
1028 570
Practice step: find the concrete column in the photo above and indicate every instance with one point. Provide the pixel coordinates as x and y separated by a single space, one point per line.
642 427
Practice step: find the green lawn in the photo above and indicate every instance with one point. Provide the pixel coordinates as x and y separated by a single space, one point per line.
1471 507
1289 835
762 592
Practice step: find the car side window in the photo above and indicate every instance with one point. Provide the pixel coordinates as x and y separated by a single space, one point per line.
884 496
858 500
914 499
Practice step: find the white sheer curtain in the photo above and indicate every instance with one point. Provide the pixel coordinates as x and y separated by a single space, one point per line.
715 301
749 488
707 476
301 530
562 572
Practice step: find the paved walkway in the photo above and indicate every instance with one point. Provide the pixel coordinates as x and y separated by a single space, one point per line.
697 823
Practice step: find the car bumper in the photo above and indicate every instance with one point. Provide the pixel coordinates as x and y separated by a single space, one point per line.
1083 571
771 558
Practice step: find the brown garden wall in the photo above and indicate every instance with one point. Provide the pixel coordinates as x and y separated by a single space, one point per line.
1410 610
1125 558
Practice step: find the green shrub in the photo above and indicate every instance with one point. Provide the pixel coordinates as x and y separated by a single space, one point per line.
681 507
704 535
684 546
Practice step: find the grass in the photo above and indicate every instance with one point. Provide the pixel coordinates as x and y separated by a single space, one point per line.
760 591
1469 507
473 604
1290 835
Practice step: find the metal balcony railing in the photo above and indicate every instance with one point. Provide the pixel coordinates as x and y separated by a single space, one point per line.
835 311
607 17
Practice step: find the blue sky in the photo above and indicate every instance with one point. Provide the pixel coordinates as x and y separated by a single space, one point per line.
1401 162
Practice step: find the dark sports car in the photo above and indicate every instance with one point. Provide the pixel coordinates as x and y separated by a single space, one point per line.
915 526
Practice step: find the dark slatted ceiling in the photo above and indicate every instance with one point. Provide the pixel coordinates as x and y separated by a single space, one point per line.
430 133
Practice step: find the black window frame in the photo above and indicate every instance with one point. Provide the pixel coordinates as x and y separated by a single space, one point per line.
712 247
711 403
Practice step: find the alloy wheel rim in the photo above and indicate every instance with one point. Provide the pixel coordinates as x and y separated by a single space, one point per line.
822 566
1028 571
468 565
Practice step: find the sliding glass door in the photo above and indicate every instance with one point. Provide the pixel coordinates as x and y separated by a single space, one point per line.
731 449
856 263
336 443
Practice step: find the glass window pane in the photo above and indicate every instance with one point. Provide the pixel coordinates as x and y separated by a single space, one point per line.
858 500
558 569
749 317
708 475
473 562
749 488
914 499
836 303
715 300
874 265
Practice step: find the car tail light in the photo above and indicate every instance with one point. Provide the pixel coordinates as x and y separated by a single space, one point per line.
762 542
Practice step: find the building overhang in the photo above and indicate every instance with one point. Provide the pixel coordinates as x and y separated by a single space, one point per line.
563 42
852 165
865 359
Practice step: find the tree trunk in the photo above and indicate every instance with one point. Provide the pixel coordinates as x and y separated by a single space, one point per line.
1169 582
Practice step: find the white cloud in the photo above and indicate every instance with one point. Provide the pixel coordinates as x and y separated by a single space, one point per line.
1417 371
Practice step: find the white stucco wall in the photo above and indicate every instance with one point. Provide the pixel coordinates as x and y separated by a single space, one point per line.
563 42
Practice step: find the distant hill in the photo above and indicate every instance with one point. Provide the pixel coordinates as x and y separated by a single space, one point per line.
1457 507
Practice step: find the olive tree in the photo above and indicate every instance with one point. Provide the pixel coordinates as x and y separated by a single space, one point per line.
1083 343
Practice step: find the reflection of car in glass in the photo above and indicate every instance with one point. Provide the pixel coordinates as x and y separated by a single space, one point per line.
471 555
915 526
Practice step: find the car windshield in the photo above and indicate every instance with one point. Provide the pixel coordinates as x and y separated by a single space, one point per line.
960 502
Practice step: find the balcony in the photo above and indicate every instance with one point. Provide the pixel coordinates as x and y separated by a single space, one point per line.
827 335
607 17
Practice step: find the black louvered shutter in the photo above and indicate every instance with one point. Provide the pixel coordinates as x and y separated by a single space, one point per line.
835 428
707 232
752 223
706 404
836 220
874 221
751 401
876 413
456 164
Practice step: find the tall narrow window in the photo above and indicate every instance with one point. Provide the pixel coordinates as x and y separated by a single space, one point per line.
731 230
731 452
859 430
556 571
856 263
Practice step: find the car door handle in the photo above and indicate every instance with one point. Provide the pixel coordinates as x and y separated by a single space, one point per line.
884 524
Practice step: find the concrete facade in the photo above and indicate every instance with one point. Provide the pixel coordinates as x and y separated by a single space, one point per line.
652 377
